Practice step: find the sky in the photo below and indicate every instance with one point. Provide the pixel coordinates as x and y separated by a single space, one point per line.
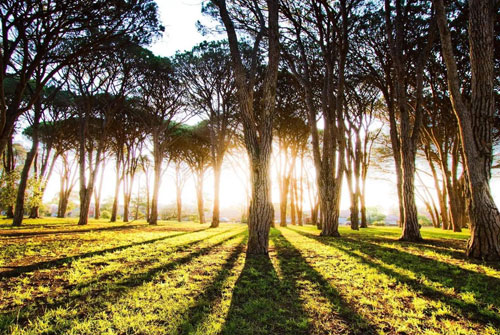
179 18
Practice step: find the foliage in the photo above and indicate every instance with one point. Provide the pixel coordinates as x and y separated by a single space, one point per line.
34 193
374 214
8 187
424 220
379 223
105 214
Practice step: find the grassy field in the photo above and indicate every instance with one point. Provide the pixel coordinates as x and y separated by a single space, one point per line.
185 278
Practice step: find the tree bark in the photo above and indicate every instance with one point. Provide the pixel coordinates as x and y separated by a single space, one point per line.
362 200
476 123
261 210
97 196
118 179
293 205
126 205
257 129
199 196
23 182
216 208
153 219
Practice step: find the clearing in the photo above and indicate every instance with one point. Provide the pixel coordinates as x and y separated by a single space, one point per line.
185 278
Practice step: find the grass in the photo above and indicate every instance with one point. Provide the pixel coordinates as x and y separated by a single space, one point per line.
185 278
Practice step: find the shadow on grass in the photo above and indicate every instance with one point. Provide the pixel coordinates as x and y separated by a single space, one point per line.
432 242
75 231
18 270
212 294
486 288
302 276
262 304
95 300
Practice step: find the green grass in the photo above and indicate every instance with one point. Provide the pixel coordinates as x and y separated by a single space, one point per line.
185 278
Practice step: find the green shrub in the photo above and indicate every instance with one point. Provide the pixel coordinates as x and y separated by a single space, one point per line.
424 220
105 215
379 223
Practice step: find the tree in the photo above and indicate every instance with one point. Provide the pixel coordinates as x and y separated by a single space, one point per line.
101 88
257 122
360 110
291 133
316 55
160 94
44 37
397 29
197 149
476 122
49 101
207 73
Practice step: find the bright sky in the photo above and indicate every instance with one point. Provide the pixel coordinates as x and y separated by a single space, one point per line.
179 18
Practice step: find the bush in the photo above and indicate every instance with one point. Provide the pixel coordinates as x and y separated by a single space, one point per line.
105 215
424 220
379 223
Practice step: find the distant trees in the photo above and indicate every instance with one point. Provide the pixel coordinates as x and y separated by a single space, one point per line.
160 93
197 152
40 38
316 55
361 132
206 70
292 134
335 80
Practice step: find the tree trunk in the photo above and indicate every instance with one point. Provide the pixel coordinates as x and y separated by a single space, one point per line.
62 207
298 199
314 215
257 124
23 182
153 219
114 209
476 124
126 204
85 196
199 195
216 208
148 203
362 199
411 227
329 212
285 186
261 210
178 192
97 196
354 211
34 212
293 206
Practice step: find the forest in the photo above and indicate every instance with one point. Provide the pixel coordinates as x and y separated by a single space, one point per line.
309 167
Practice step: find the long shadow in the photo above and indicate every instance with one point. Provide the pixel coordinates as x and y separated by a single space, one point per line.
40 304
263 304
432 269
117 290
59 232
298 271
440 246
18 270
212 294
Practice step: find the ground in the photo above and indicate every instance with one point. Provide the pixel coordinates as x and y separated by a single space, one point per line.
185 278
